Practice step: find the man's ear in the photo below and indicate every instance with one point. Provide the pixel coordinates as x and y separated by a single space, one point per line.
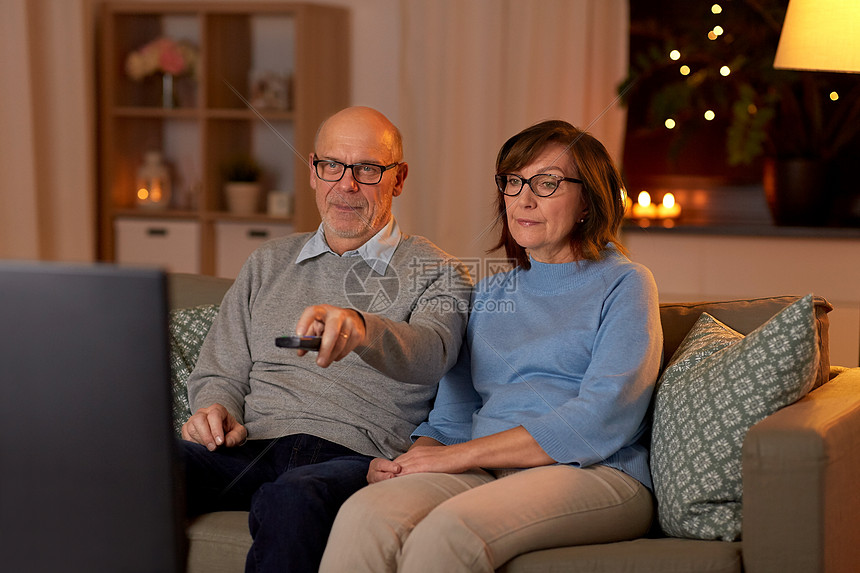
312 172
400 178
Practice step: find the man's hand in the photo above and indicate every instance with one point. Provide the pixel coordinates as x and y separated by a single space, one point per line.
214 426
342 330
381 469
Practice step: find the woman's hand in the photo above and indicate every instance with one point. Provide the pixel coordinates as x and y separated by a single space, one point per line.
418 459
514 448
382 469
440 459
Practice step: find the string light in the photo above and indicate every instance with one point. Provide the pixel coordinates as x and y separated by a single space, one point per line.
710 115
685 70
712 35
718 30
834 96
725 70
670 123
716 9
675 55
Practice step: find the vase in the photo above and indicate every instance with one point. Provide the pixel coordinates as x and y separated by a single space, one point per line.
796 191
168 91
242 198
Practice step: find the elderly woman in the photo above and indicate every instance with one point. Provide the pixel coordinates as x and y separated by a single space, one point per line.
535 438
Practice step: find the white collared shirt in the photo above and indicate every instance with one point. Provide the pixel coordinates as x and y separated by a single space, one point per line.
376 251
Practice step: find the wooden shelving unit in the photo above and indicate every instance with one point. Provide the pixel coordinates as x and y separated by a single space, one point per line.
213 122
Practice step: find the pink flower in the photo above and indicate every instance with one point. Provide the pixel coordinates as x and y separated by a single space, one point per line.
170 58
162 55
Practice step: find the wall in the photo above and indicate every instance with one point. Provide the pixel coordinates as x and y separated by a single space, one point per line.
695 267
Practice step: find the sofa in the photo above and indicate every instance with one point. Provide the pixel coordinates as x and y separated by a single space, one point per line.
801 493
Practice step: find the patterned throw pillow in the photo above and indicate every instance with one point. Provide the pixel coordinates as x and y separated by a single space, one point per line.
718 385
187 328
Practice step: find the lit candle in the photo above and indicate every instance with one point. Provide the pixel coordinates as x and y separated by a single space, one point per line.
643 208
153 182
669 208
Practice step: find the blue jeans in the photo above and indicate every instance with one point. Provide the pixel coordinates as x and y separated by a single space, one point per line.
292 486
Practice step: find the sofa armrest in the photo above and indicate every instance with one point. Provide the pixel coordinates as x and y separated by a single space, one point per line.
801 501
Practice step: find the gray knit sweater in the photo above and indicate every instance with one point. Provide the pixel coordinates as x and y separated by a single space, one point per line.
372 399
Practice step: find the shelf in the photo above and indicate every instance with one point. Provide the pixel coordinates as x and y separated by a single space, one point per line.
144 213
157 112
256 54
271 115
198 113
224 216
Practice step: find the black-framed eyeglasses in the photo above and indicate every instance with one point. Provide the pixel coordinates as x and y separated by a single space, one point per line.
542 184
366 173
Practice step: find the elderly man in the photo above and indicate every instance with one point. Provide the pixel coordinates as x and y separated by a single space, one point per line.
289 434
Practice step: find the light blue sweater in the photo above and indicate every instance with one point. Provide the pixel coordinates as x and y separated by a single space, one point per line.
570 352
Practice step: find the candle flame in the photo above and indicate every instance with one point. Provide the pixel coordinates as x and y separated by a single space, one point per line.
668 200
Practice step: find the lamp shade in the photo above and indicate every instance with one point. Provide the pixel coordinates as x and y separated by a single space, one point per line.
821 35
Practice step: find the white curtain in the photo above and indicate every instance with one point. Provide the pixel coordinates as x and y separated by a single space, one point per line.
475 72
47 182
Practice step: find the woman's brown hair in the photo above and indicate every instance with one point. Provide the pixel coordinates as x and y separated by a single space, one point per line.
602 187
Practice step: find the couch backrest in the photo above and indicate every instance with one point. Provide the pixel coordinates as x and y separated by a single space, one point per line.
188 290
743 315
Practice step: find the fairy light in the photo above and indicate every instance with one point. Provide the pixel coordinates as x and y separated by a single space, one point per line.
712 35
834 96
670 123
685 70
725 71
675 55
718 30
716 9
710 115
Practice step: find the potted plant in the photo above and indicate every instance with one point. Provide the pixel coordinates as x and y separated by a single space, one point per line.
721 59
242 185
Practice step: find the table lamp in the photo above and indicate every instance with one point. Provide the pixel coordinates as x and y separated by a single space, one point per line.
820 35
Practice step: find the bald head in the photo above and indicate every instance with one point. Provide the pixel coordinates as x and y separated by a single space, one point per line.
366 123
353 212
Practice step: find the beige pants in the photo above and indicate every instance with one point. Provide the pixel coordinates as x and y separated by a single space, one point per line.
476 522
